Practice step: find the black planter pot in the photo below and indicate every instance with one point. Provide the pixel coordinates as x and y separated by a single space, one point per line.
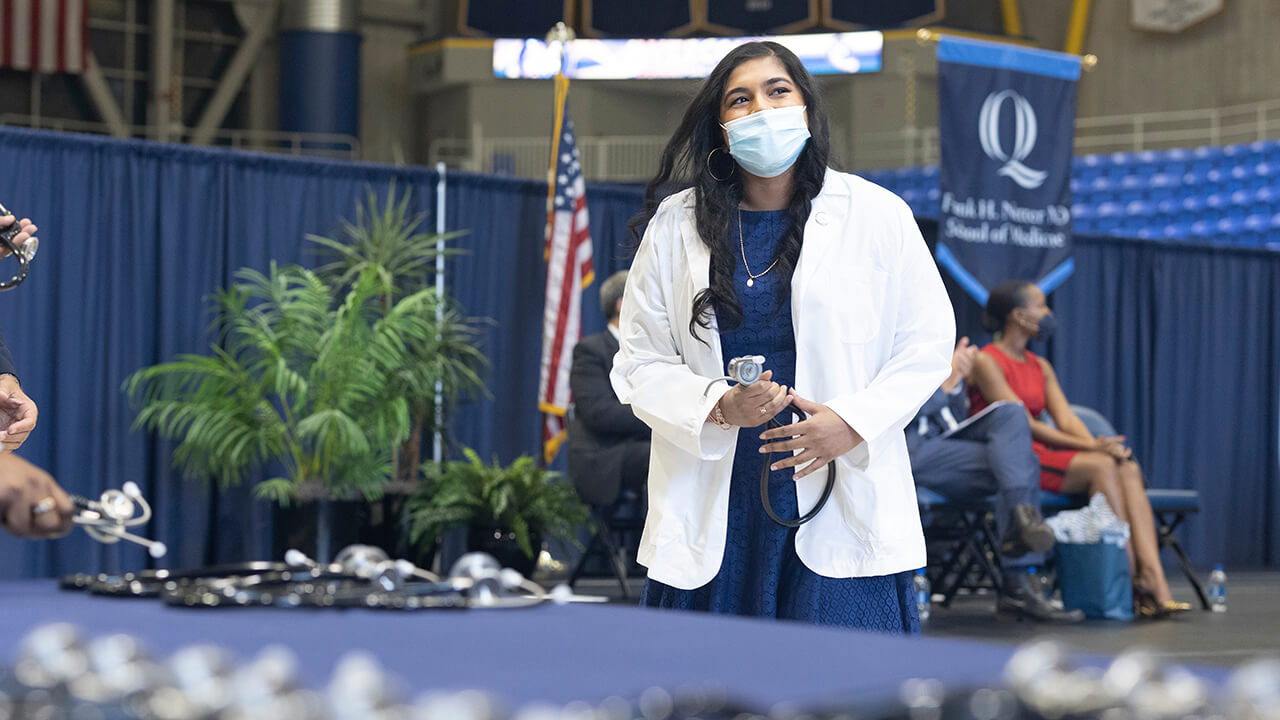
320 528
501 544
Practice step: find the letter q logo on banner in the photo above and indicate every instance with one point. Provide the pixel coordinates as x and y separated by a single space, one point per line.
1024 140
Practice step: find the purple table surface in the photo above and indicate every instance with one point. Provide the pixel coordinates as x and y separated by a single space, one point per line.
546 653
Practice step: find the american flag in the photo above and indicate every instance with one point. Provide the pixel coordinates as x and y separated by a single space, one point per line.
569 270
46 36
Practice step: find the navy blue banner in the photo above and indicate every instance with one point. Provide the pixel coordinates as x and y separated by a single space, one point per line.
1006 127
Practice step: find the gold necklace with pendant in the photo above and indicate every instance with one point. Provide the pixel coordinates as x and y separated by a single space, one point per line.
751 279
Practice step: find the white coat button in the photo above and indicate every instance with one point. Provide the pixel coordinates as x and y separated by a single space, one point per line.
820 217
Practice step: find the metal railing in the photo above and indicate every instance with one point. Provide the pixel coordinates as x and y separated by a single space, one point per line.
632 158
1180 128
342 147
615 158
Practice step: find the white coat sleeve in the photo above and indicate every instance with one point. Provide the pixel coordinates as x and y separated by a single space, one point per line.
923 340
649 372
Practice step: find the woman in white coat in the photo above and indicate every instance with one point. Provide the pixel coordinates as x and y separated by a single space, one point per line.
769 252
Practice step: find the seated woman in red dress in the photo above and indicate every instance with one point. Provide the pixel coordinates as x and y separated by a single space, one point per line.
1072 460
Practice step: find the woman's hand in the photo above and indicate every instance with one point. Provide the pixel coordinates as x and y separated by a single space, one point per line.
823 437
1114 446
752 405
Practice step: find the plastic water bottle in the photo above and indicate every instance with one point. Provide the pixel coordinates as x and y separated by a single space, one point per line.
924 594
1039 581
1218 589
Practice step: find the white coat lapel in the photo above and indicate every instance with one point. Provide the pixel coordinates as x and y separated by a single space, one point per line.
826 228
702 358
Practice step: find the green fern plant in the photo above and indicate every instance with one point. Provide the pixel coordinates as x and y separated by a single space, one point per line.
294 378
521 497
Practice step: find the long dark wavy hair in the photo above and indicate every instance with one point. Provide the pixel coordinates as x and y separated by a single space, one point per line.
684 164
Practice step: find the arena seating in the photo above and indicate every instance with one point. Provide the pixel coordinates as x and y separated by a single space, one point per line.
1227 195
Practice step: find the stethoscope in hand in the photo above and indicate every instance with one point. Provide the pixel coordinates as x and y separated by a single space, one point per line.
109 518
23 254
745 371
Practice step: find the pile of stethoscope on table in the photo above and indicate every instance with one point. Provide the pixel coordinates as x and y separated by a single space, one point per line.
59 674
360 576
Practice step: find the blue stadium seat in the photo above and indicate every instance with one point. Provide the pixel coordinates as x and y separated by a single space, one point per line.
1117 165
1177 161
1193 203
1139 208
1204 159
1254 232
1149 158
1233 153
1230 225
1109 210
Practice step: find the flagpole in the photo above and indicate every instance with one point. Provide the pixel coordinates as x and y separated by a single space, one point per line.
561 34
925 36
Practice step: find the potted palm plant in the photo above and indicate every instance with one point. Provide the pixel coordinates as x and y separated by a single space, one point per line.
387 240
507 510
295 382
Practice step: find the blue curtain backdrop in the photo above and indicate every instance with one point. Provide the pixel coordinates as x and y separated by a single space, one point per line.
1177 345
135 235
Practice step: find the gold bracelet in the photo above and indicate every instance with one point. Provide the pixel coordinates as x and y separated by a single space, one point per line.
717 416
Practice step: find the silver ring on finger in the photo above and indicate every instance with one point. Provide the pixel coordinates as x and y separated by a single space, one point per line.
43 506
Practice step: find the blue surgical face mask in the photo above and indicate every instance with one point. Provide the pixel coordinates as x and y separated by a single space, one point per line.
1048 324
767 142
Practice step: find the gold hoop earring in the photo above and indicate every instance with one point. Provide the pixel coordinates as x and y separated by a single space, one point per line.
732 169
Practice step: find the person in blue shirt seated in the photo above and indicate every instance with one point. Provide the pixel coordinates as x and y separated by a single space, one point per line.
988 454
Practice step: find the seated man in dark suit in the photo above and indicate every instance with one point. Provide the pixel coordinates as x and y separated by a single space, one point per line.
990 454
608 445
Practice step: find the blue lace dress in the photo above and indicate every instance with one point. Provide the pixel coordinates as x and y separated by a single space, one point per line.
760 574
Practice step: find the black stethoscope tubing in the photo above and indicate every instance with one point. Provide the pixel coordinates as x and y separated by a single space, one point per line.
764 481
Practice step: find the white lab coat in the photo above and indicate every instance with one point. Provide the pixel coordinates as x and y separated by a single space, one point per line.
874 335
